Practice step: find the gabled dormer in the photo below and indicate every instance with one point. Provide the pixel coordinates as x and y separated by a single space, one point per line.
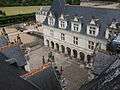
51 20
62 22
76 24
113 29
93 27
114 24
44 13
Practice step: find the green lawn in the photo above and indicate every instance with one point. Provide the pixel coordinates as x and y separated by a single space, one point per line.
19 10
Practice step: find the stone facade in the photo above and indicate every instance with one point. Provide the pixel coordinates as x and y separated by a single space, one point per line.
53 39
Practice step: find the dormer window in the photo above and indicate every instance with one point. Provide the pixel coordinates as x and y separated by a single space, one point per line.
93 28
76 25
62 22
113 29
113 24
43 12
51 20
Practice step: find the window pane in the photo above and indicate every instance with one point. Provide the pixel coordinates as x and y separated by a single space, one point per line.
77 42
92 47
74 42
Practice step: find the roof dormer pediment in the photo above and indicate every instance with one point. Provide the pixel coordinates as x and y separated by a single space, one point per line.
94 22
76 19
50 15
62 17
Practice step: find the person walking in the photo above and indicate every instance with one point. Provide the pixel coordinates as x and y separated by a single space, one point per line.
61 70
43 60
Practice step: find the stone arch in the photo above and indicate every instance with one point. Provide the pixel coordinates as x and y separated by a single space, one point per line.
57 47
47 42
75 54
89 58
82 56
52 44
62 49
68 51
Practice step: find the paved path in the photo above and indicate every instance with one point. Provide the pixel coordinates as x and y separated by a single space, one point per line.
74 73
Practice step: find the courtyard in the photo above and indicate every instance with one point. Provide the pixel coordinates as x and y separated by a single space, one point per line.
74 73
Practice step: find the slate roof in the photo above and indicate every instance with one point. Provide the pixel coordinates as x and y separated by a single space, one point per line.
107 80
14 53
45 80
3 40
57 7
45 8
10 81
102 61
105 16
3 57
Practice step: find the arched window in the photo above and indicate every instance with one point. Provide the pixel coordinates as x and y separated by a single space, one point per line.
52 44
74 53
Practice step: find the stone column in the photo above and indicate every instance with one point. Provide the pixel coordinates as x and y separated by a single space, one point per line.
85 59
78 55
55 48
50 44
65 50
45 42
60 48
72 53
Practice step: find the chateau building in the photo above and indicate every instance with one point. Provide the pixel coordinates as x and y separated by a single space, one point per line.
78 30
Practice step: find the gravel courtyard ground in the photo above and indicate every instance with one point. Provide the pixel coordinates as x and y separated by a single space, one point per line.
74 73
12 32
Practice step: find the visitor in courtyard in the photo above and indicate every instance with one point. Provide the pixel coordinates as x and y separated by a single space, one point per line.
43 60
